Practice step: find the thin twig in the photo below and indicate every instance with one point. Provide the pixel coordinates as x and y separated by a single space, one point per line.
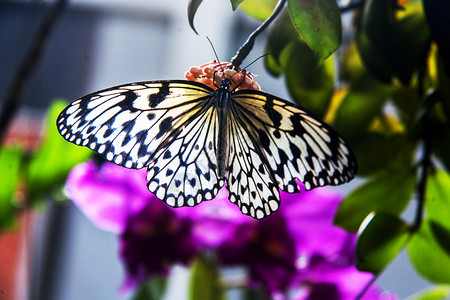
425 161
248 45
365 288
17 88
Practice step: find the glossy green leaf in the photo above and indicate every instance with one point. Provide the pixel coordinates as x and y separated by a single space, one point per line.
388 193
411 37
363 102
258 9
441 147
406 100
204 282
10 162
235 3
192 9
439 292
319 24
441 234
52 162
428 257
311 86
380 242
153 289
281 36
437 206
373 59
437 202
390 43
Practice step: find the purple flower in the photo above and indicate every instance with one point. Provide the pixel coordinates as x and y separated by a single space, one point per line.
214 222
107 195
152 237
266 249
154 240
325 253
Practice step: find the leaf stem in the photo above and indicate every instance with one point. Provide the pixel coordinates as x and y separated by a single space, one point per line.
425 160
366 287
242 53
17 88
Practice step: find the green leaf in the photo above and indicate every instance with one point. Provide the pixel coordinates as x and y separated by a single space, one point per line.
204 282
258 9
153 289
434 293
51 163
380 242
437 199
378 152
373 59
392 43
192 9
281 36
235 3
427 256
311 86
437 206
10 162
362 103
319 24
387 193
441 234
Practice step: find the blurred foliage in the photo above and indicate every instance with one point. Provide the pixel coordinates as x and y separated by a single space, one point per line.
28 178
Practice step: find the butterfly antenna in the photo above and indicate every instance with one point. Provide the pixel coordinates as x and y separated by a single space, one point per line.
215 53
259 57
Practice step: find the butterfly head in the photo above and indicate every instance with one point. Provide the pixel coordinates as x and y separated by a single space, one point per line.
213 74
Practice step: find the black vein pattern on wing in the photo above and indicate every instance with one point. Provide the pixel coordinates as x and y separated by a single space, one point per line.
296 145
116 102
250 181
184 171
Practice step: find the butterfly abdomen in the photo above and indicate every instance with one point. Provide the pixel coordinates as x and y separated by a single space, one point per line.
223 96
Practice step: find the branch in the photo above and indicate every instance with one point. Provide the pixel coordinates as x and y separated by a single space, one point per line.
33 56
248 45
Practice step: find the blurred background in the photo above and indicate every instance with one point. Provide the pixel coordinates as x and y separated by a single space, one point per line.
94 45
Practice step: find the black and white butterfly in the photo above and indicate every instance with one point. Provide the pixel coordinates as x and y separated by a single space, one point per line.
193 139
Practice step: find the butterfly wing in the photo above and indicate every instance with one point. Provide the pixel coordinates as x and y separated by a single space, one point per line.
250 181
168 126
286 144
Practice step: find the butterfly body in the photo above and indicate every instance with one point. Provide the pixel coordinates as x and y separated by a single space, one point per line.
222 97
194 139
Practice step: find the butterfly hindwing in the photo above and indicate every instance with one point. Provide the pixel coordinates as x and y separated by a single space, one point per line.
185 172
296 145
250 181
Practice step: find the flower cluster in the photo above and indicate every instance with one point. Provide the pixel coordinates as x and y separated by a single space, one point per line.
297 250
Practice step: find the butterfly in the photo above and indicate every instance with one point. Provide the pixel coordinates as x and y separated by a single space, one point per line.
195 136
